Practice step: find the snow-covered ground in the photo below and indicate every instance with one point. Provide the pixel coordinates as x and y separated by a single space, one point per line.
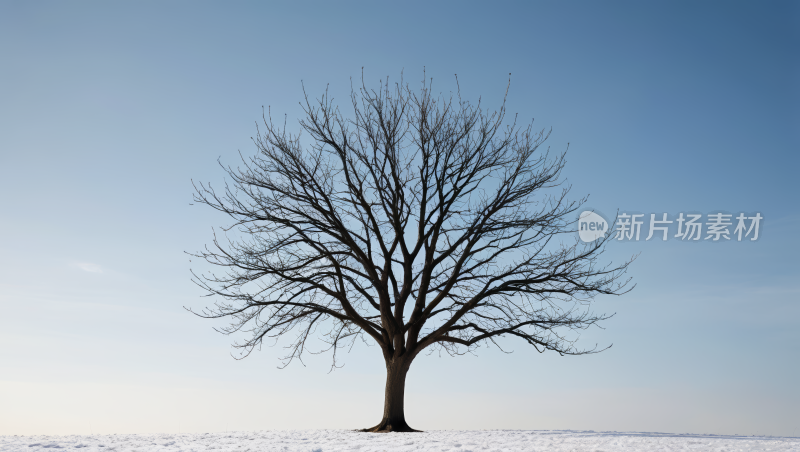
454 441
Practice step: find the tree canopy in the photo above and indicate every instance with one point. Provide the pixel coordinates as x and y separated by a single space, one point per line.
414 221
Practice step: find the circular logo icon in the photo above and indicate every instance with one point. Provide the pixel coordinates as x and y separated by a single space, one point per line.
591 226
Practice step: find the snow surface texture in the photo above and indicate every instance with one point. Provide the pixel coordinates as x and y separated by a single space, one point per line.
452 441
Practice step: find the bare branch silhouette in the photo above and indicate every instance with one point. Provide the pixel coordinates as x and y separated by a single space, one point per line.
418 222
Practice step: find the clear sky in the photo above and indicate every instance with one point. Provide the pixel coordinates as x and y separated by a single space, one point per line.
109 109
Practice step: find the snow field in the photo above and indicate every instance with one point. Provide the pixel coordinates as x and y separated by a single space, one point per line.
446 440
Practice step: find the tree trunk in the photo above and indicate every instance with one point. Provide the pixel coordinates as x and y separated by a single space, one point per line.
394 418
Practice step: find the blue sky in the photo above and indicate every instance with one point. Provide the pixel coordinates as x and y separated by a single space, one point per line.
109 110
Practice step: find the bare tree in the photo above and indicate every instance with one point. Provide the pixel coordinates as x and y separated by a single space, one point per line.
417 222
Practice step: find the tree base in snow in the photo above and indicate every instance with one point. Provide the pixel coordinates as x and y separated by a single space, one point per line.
387 426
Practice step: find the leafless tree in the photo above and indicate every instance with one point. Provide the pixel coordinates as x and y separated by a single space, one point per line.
417 221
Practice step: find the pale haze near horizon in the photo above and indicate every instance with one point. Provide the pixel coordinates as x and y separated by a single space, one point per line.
108 111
